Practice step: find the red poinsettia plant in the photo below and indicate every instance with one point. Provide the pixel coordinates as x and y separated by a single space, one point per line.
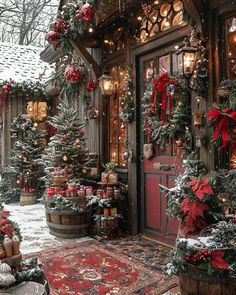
194 200
8 227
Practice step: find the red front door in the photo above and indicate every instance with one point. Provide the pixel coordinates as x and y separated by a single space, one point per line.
163 167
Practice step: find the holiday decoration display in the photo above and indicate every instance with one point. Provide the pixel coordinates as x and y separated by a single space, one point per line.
127 113
66 150
221 119
212 252
165 108
25 159
10 238
90 86
197 198
73 73
223 116
26 89
110 215
109 176
87 12
75 18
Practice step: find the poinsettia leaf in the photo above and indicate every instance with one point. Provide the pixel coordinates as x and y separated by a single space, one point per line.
5 213
218 261
3 222
194 183
196 210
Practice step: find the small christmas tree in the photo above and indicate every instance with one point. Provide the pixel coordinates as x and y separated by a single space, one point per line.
66 150
25 155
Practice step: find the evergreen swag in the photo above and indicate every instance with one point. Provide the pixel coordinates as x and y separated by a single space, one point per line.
199 199
76 17
166 109
66 149
26 89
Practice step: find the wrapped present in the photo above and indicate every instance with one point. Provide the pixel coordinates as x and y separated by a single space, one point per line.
110 212
109 177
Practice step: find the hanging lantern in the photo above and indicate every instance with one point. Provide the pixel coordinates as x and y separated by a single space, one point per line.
187 59
107 85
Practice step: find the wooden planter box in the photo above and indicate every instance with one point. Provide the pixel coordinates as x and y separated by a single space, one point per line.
197 282
68 225
27 198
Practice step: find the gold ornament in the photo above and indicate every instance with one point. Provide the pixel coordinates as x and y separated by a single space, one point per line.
77 141
65 158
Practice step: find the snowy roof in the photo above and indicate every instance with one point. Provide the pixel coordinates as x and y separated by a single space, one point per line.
22 63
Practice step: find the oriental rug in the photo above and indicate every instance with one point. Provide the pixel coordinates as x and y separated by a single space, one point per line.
147 251
93 268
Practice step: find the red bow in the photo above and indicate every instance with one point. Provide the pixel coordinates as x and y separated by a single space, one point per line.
218 261
223 124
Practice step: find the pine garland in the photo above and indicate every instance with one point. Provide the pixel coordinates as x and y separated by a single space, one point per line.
127 114
26 89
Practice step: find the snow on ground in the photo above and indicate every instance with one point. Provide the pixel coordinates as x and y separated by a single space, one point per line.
35 233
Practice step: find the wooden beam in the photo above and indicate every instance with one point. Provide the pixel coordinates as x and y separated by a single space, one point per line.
82 51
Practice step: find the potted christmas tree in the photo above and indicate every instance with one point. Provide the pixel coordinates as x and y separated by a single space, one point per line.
25 155
66 205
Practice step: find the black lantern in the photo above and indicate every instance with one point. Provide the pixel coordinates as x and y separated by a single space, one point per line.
187 59
107 85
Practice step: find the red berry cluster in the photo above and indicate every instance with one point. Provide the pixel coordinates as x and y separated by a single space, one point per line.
203 255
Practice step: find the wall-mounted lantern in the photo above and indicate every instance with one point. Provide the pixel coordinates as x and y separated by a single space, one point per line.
107 85
187 56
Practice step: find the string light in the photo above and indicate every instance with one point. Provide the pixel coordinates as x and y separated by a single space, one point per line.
90 30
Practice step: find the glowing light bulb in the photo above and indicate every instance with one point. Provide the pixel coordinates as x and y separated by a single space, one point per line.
90 30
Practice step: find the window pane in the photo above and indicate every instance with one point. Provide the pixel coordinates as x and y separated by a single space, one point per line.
117 129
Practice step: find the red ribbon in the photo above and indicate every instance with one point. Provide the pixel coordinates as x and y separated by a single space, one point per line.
222 126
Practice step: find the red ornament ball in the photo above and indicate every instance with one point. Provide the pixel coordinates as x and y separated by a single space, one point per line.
52 36
90 86
6 88
87 12
60 26
73 73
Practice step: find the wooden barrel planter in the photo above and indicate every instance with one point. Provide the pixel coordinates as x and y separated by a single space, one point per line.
27 198
197 282
68 225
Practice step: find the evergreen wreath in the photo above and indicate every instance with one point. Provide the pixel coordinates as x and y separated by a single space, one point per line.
166 109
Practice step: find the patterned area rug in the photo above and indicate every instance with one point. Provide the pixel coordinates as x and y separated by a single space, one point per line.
150 253
93 268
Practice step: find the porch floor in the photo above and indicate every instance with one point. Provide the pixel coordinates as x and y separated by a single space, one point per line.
145 256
